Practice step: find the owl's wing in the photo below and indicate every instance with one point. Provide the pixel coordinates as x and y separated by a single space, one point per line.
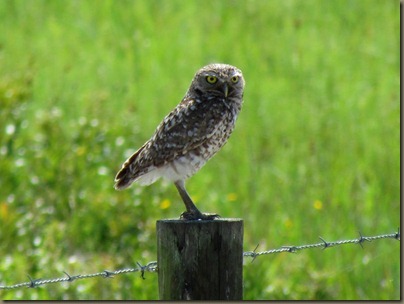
191 124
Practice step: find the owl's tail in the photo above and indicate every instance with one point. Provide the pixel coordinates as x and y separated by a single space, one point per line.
128 173
123 179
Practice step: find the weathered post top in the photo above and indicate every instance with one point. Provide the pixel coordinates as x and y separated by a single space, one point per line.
200 260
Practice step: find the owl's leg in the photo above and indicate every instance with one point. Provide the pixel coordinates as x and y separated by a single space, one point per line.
192 212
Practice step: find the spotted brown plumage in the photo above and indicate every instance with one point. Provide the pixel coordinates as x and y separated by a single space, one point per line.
190 134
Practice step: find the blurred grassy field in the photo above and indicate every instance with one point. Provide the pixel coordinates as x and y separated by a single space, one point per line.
316 150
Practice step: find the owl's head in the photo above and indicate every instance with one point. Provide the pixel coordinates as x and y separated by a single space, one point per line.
218 80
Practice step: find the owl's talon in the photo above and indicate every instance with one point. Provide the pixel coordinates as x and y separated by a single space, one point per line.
188 216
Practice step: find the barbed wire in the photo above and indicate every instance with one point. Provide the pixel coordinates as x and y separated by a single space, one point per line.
323 244
152 266
149 267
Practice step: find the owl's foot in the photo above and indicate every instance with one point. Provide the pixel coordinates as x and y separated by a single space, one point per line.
198 216
192 213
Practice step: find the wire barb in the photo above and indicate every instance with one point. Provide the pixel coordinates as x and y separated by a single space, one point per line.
32 282
397 235
326 245
362 239
142 270
291 249
69 277
108 274
252 254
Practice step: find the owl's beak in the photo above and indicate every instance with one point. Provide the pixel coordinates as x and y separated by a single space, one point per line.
225 90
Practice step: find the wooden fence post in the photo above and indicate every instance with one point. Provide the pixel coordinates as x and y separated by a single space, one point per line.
200 260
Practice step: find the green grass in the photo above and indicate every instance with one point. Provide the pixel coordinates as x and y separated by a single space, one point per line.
315 151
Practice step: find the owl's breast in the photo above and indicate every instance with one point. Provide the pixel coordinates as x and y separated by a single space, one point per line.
221 126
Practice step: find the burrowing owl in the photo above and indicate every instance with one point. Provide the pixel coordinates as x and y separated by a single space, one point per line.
189 135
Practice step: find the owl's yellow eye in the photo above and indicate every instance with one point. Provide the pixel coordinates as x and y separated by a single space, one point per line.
234 79
211 79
